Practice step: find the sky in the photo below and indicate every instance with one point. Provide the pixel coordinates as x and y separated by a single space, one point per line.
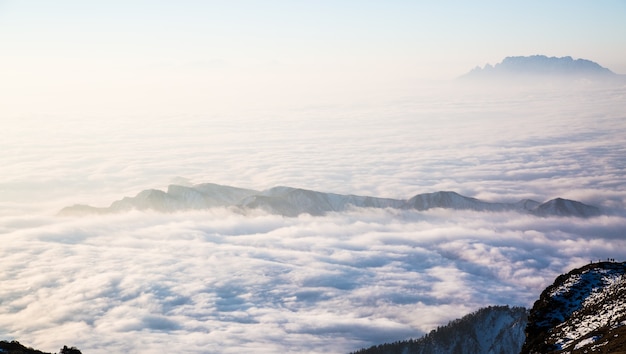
205 56
101 100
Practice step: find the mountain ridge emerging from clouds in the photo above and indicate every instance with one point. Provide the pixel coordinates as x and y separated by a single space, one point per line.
541 66
288 201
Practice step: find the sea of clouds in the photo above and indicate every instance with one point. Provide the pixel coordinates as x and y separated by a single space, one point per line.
219 281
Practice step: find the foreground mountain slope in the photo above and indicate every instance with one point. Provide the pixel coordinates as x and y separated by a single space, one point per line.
490 330
584 311
288 201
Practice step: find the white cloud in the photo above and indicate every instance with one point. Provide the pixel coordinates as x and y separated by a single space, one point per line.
219 281
278 283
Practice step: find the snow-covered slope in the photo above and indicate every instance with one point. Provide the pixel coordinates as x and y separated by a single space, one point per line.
490 330
289 201
584 311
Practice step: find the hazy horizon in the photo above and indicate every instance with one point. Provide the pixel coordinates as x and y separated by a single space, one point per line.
104 100
204 57
220 281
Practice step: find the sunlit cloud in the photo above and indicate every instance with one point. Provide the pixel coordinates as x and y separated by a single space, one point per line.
360 277
217 280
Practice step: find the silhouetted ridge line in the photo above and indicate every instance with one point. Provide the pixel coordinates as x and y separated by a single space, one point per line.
15 347
288 201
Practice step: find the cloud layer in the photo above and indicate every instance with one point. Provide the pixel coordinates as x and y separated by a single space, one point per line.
217 281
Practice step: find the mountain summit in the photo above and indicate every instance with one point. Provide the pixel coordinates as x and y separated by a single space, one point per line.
541 66
584 311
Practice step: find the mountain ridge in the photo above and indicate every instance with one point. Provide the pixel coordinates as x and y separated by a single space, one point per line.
290 202
542 66
582 311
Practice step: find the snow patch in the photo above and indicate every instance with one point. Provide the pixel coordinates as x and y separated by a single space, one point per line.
586 342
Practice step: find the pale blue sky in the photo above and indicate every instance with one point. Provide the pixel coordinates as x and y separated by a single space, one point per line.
120 52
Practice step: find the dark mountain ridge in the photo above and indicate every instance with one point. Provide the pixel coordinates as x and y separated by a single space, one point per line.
15 347
288 201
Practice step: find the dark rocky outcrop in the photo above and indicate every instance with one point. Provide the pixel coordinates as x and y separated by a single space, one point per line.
15 347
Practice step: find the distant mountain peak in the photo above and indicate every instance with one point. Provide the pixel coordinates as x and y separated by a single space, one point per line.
540 66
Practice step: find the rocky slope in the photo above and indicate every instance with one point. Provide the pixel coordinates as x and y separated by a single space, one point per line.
584 311
289 201
490 330
14 347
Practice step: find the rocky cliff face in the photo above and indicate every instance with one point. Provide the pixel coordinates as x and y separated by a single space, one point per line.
584 311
